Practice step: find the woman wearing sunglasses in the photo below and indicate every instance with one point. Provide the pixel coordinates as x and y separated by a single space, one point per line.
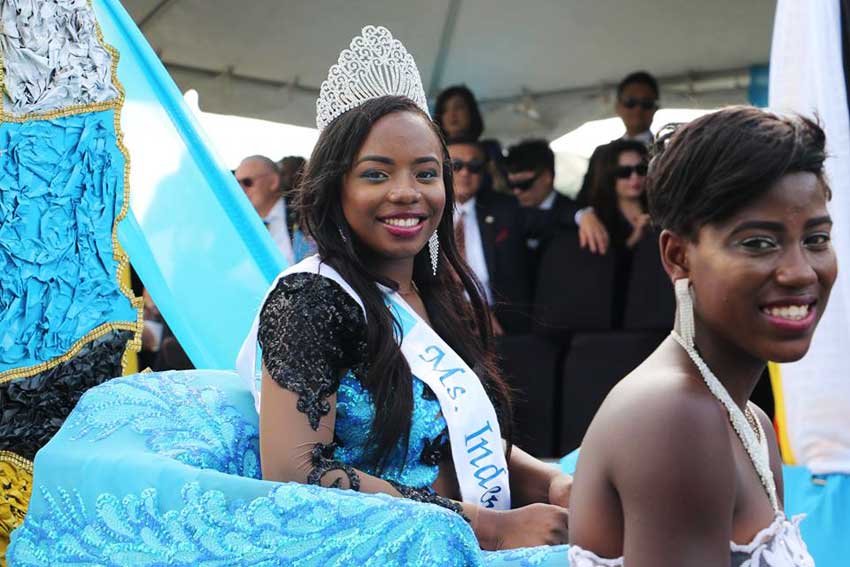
618 197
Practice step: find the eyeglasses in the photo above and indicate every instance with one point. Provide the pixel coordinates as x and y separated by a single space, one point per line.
248 182
644 103
526 184
473 166
625 171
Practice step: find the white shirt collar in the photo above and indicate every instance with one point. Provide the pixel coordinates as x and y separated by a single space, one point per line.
548 201
277 212
645 137
467 208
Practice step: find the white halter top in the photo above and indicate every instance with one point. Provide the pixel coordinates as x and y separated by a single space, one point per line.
778 545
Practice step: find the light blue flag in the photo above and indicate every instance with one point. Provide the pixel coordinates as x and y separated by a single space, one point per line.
191 234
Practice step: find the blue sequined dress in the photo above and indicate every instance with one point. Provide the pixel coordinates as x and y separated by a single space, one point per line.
164 469
313 339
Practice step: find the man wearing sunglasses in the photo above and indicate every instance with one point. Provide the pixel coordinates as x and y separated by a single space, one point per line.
531 177
637 102
259 178
488 231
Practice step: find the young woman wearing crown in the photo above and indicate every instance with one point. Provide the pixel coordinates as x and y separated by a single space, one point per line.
377 370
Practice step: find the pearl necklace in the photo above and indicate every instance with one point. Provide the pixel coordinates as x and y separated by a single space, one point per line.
754 443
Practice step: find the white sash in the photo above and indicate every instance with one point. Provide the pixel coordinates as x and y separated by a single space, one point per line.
476 440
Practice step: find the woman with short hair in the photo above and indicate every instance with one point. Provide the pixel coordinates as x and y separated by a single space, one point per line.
677 463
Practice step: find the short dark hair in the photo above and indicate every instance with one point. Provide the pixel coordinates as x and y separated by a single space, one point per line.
638 77
476 123
705 171
298 165
467 141
297 162
530 155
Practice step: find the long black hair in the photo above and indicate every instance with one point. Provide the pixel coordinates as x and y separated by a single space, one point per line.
389 379
603 194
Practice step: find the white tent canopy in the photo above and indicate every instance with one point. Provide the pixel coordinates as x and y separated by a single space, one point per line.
540 67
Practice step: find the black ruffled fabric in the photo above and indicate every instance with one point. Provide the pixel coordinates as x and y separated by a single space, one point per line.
33 409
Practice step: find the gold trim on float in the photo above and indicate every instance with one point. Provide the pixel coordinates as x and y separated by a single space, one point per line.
17 460
98 332
16 475
135 343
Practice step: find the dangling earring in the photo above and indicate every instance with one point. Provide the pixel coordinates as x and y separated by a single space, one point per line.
342 235
434 250
684 311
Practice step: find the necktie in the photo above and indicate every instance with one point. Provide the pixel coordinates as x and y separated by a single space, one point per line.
460 235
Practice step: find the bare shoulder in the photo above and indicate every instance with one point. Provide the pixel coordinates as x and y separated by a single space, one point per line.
657 467
660 424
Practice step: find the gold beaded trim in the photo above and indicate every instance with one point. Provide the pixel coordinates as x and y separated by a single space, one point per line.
16 460
15 492
135 344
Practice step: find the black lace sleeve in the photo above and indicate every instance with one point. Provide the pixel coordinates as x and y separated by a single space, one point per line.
428 495
322 459
311 331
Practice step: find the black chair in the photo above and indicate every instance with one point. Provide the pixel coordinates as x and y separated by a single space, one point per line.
650 301
594 364
574 288
530 365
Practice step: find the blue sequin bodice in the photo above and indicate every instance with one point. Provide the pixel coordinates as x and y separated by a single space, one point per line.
354 415
313 336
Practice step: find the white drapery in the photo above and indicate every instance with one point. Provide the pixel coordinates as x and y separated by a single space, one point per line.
807 76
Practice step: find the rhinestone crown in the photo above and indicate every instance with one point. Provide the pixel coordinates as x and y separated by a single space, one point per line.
374 65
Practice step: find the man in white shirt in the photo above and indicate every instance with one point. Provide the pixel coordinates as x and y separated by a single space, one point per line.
489 234
259 178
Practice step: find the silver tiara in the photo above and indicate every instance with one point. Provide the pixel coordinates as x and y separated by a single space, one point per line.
374 65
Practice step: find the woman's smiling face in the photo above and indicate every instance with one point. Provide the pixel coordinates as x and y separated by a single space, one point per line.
762 277
394 194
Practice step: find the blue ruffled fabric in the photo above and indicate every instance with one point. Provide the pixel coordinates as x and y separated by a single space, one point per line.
62 186
163 469
355 413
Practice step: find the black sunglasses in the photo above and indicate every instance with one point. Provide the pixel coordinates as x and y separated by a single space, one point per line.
644 103
473 166
248 182
526 184
625 171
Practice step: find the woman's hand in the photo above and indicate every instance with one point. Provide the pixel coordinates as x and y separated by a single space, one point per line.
529 526
559 490
639 225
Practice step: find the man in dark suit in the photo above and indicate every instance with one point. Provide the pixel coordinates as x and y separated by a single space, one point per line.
531 176
489 232
637 102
